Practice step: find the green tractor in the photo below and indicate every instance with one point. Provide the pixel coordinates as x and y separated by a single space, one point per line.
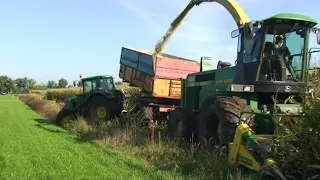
225 106
99 101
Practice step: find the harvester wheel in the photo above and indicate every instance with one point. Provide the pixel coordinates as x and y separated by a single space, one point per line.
181 124
101 109
218 118
65 116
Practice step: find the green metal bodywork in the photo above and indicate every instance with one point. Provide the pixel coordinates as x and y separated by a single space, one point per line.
198 86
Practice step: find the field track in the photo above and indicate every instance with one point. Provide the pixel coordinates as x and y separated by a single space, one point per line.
30 148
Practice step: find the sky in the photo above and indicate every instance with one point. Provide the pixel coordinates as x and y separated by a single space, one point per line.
53 39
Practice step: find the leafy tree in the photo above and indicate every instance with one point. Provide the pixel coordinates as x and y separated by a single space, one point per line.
22 85
31 83
6 84
51 84
62 83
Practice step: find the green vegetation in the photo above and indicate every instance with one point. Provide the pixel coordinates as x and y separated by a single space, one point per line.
30 148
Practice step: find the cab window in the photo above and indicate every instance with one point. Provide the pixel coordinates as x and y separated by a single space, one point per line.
87 86
251 51
106 84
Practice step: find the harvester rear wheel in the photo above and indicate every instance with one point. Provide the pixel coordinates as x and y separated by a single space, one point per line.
181 124
218 120
101 109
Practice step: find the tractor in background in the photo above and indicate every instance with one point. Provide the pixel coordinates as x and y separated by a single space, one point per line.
99 101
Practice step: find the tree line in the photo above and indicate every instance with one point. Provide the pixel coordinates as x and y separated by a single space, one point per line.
24 85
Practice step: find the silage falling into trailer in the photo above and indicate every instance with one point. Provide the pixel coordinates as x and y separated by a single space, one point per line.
173 27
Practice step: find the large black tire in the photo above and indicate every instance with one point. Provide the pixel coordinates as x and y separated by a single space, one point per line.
110 106
182 124
65 116
141 107
218 119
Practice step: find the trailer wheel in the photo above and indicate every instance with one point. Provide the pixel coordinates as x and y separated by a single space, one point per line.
181 124
218 120
101 108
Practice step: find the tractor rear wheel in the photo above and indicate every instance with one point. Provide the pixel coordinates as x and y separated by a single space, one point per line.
65 116
101 109
181 124
218 120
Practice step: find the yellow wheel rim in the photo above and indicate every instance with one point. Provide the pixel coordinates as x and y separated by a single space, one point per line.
101 111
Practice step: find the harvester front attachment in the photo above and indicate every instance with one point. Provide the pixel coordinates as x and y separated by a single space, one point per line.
252 151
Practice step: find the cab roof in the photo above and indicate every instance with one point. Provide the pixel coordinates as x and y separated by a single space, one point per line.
98 76
293 17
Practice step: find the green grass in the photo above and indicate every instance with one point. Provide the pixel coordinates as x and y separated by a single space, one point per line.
30 148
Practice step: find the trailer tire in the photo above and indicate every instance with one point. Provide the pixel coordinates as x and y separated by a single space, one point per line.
188 126
218 118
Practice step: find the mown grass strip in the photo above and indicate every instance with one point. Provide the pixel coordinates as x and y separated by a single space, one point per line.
30 148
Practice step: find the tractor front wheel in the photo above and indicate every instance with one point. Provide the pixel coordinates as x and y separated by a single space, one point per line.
64 117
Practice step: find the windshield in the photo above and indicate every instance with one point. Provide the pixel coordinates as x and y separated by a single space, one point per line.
290 46
106 84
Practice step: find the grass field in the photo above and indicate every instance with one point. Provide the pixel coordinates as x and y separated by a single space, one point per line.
30 148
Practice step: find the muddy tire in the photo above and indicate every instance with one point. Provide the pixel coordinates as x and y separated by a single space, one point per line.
181 124
65 116
102 109
218 118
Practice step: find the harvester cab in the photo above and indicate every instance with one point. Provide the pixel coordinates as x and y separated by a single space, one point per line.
273 53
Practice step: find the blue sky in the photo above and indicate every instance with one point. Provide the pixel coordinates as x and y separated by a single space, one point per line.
50 39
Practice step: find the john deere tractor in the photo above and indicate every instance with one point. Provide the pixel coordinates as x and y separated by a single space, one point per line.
239 106
99 101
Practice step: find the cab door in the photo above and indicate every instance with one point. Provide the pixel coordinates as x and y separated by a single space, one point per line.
248 59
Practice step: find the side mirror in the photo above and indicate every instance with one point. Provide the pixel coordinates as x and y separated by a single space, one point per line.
235 33
318 38
248 30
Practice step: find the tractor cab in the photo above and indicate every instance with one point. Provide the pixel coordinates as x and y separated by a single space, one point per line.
274 51
101 84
